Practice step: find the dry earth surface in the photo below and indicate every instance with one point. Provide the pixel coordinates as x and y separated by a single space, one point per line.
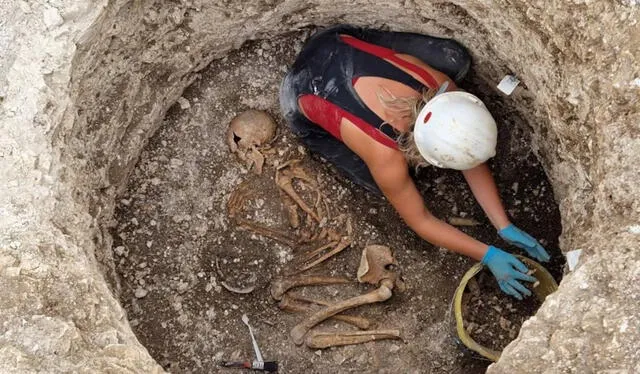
171 225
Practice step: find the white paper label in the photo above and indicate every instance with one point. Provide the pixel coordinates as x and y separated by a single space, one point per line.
508 84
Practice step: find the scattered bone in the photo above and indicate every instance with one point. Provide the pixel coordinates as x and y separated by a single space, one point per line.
256 160
459 221
292 210
292 305
233 289
381 294
333 235
306 236
321 235
287 164
318 205
339 247
321 340
281 285
240 290
236 201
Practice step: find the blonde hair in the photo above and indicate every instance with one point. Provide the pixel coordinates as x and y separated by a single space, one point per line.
407 108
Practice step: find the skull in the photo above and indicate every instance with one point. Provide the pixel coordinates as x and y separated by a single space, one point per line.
377 263
249 129
247 132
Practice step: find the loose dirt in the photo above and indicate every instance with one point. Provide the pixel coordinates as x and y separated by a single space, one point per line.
172 226
492 318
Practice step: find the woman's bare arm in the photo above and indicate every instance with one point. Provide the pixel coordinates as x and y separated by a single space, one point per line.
486 193
394 180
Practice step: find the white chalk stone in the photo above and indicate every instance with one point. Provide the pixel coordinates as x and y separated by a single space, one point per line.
184 103
141 292
572 258
52 17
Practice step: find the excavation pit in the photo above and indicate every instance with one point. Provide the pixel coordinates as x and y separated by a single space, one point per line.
173 225
88 84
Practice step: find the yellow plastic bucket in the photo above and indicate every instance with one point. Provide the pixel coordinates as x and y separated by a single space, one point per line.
547 286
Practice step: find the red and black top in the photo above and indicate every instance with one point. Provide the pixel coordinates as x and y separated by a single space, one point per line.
322 78
332 61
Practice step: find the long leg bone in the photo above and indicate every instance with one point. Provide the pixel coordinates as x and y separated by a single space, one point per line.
321 340
308 300
280 286
381 294
289 304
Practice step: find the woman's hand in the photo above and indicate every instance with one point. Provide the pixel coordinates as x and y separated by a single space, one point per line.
521 239
508 270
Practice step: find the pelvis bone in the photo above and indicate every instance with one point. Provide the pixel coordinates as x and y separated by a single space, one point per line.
377 263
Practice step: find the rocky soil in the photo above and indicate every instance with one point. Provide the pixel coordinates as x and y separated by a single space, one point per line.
492 318
172 227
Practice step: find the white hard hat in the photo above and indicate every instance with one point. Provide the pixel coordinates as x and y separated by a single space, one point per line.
455 130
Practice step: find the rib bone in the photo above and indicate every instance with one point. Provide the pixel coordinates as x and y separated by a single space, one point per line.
344 243
290 304
382 293
281 285
275 234
321 340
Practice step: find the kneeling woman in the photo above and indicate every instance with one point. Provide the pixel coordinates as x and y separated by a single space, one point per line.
375 103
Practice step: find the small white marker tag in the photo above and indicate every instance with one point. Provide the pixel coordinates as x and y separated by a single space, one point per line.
572 258
508 84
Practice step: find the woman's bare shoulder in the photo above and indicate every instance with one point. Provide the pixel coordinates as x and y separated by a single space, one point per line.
370 150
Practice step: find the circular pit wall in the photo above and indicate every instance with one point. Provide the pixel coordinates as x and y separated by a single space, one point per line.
96 79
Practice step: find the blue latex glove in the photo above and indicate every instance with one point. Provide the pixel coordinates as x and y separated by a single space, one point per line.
521 239
508 270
